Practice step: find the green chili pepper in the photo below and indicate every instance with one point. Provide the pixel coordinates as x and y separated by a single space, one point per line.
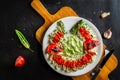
23 40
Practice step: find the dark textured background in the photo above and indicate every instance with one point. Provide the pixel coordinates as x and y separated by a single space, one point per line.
18 14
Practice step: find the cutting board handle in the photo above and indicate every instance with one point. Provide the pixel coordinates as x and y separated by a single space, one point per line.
38 6
49 18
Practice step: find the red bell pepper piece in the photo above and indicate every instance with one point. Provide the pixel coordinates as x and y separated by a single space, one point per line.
53 48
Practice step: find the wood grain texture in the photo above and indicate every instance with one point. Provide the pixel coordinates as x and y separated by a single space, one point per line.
64 12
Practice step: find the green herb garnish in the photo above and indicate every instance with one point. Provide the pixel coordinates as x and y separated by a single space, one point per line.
23 40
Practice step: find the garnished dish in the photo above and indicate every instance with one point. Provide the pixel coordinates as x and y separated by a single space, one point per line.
72 46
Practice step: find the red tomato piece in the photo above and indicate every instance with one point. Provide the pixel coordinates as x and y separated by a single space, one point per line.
74 63
67 63
90 53
90 44
84 60
79 63
20 61
53 48
57 37
85 33
60 33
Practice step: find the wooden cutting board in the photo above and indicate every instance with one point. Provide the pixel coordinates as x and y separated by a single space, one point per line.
64 12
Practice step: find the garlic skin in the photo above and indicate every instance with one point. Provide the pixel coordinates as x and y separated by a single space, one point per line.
108 34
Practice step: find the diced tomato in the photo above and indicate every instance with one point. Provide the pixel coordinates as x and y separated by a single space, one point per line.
54 41
78 63
60 33
90 53
85 33
53 48
73 63
84 60
67 63
90 44
20 61
58 59
57 37
89 58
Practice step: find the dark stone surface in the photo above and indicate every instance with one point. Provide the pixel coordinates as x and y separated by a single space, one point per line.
18 14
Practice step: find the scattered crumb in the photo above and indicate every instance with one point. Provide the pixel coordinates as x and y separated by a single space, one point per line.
12 39
58 2
24 29
104 15
94 12
91 20
24 18
101 11
32 35
20 46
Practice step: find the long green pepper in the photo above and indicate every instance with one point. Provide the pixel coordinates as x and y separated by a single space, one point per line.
23 40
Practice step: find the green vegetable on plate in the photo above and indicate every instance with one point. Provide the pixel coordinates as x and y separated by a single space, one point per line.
79 24
23 40
61 26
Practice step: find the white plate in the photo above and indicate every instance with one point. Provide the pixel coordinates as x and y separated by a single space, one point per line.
69 22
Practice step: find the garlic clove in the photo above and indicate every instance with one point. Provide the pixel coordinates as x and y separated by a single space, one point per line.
105 14
108 34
